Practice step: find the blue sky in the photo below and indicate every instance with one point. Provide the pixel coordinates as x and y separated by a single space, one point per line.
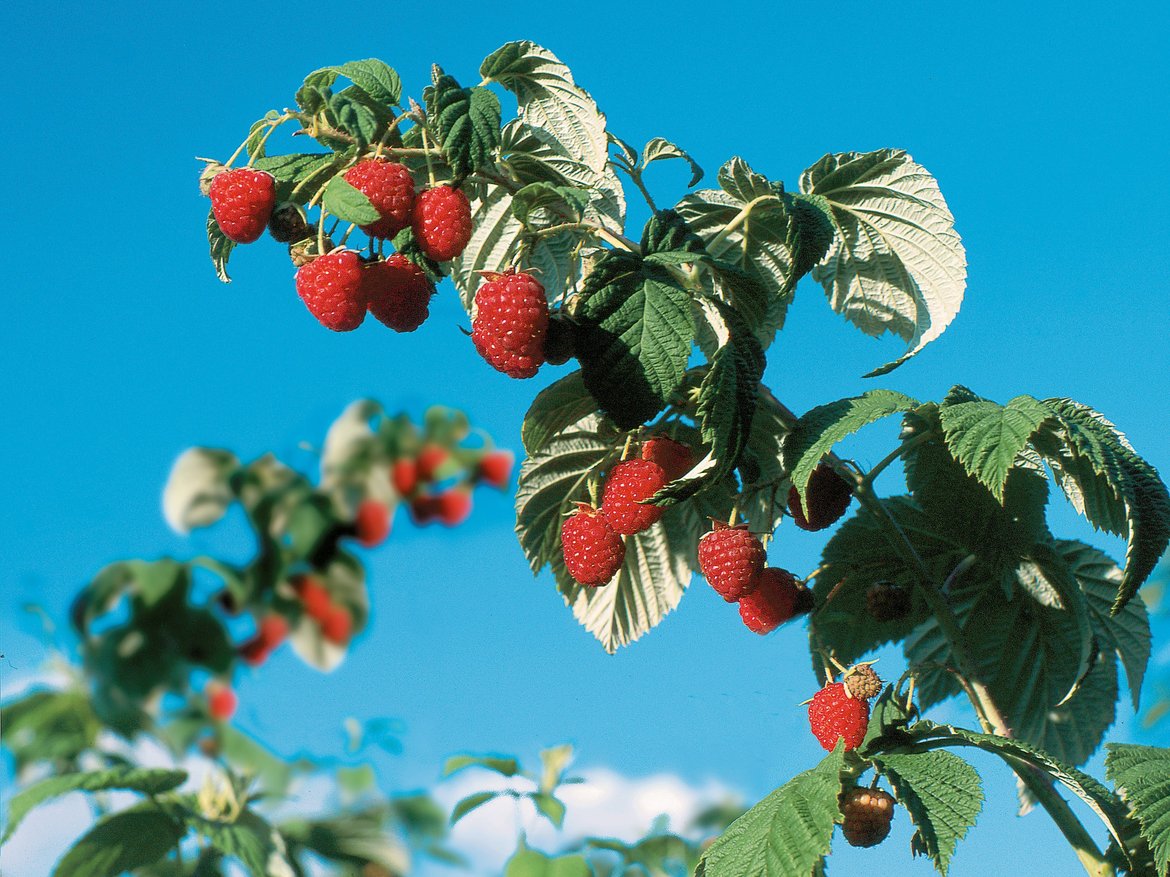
1044 124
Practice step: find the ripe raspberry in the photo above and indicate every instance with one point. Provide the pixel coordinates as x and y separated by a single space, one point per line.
241 201
627 484
287 224
372 523
337 625
314 596
404 476
271 631
390 188
442 222
771 603
676 459
511 323
593 550
827 496
331 288
495 468
868 814
863 682
833 714
888 602
453 506
221 701
398 292
731 559
430 459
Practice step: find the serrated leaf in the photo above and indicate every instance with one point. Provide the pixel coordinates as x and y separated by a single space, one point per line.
818 430
942 794
372 76
504 765
896 264
660 148
148 781
987 438
347 203
198 489
569 202
471 802
555 408
293 169
785 834
467 122
220 246
1142 777
122 842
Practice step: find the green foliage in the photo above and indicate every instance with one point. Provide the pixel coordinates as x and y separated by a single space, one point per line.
988 438
466 120
532 863
221 248
122 842
1142 777
52 726
503 765
375 79
347 203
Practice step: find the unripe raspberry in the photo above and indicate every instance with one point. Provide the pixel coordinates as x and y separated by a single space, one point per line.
442 222
404 476
313 595
863 682
771 603
241 201
287 224
833 714
372 523
453 506
627 484
593 552
337 625
390 188
511 323
827 496
731 559
331 288
430 459
221 701
867 816
495 468
398 292
887 601
675 458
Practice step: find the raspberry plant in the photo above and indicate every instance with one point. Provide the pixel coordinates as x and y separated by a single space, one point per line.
991 604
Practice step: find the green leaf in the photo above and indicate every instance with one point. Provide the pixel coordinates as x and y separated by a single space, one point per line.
1142 777
659 149
785 834
569 202
294 169
467 121
818 430
636 330
550 807
987 438
248 838
555 408
943 795
122 842
530 863
372 76
148 781
221 248
347 203
54 726
896 263
553 762
502 764
471 802
1109 484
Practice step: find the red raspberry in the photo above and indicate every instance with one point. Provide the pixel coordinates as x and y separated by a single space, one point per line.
627 484
453 506
404 476
442 222
313 595
731 559
331 287
397 292
270 633
771 603
430 458
675 459
372 523
495 468
337 625
390 188
828 496
834 714
221 701
242 200
868 814
511 323
593 550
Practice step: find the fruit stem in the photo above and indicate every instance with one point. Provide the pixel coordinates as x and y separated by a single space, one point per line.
430 165
272 126
713 247
902 448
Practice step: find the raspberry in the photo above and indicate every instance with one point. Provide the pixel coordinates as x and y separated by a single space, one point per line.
771 603
453 506
221 701
827 496
511 323
868 813
270 633
390 188
337 625
372 523
430 458
676 459
404 476
627 484
495 468
863 682
241 201
731 559
593 550
442 222
833 715
314 596
888 602
287 224
331 288
398 292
